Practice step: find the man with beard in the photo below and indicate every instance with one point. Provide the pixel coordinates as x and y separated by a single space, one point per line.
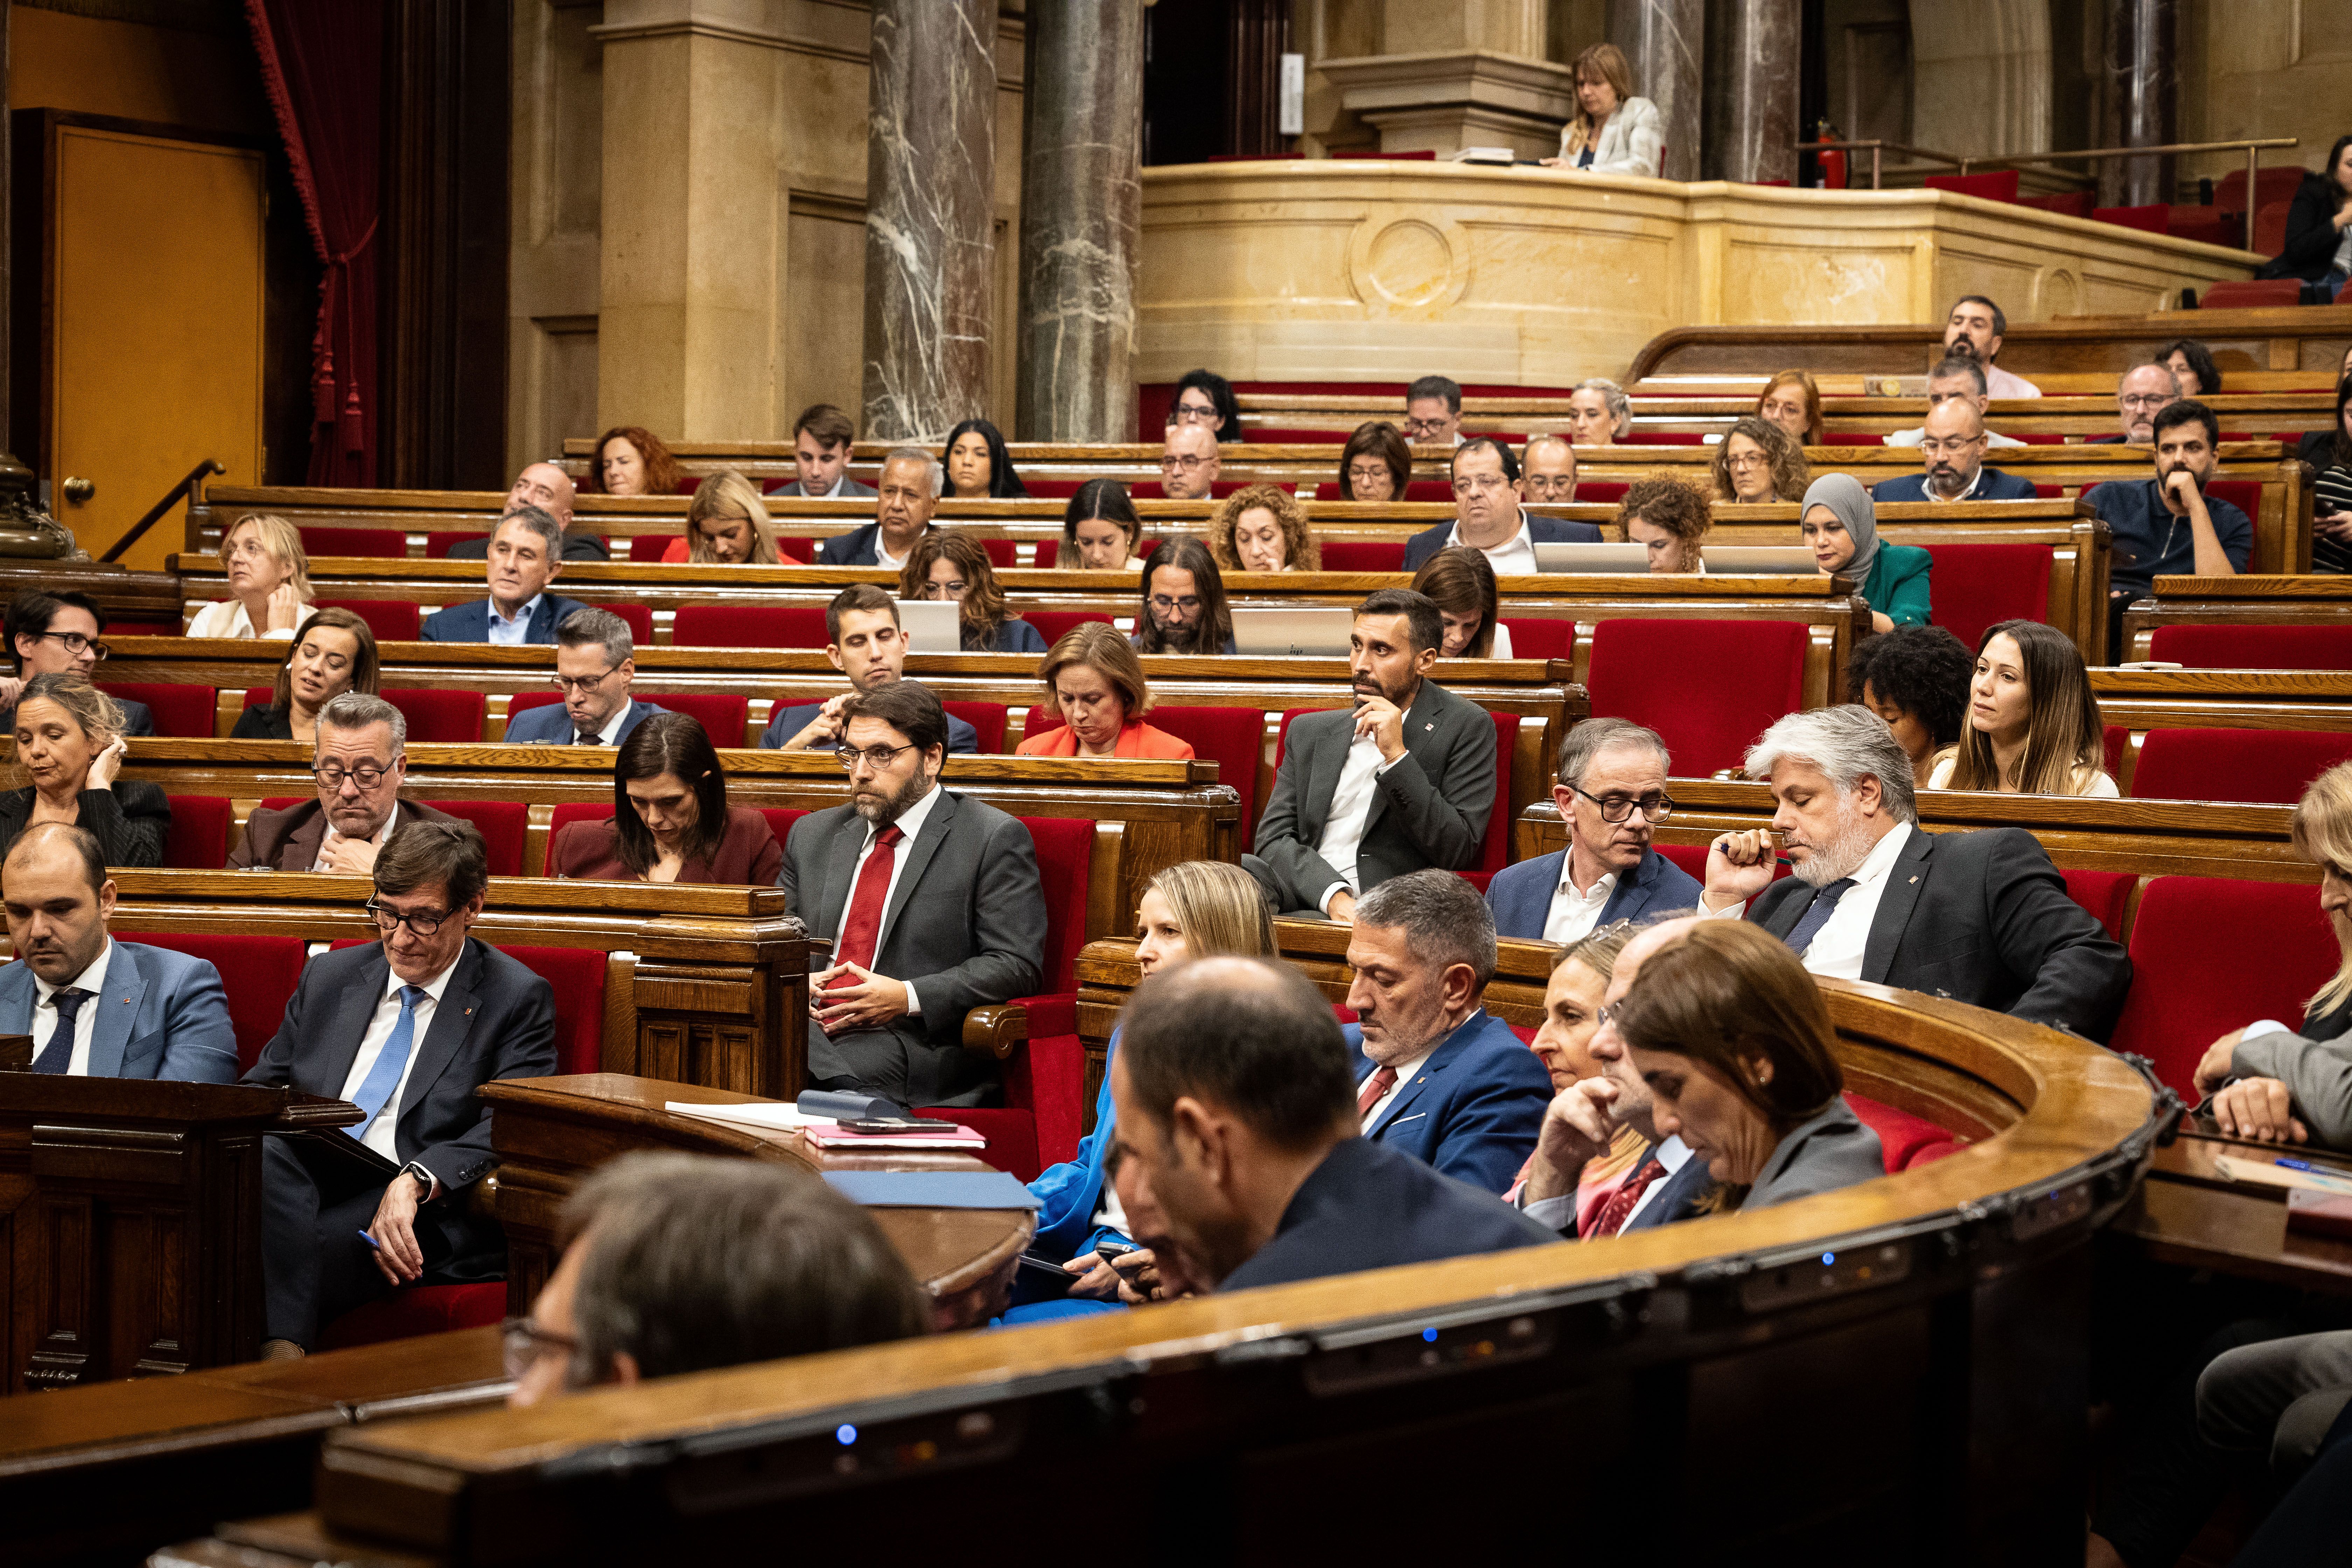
1980 917
2145 392
2167 526
1974 330
1613 795
932 901
1952 452
865 643
1403 782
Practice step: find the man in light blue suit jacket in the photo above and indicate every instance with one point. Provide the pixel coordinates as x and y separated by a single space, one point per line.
1608 768
94 1006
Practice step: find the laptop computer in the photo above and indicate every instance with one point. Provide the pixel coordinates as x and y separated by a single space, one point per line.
1759 560
1592 558
931 626
1277 633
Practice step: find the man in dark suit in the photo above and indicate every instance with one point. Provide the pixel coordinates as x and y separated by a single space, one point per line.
1981 916
932 904
549 489
1953 450
1438 1077
909 492
865 643
1236 1112
58 633
408 1030
596 665
822 437
96 1007
1613 795
1488 515
1403 781
360 758
526 554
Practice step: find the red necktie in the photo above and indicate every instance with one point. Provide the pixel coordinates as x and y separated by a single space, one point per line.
1620 1206
861 924
1380 1083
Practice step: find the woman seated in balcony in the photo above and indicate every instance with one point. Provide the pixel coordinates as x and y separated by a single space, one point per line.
1669 515
333 653
632 461
670 820
1792 401
1840 525
1262 529
1460 581
69 741
1758 462
2318 247
1376 463
950 566
2032 726
1183 608
1917 679
269 582
727 524
1095 682
1611 131
2330 451
1100 531
1599 414
977 465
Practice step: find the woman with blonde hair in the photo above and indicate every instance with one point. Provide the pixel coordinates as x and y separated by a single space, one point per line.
1758 462
1611 131
1262 529
1579 979
2032 724
948 566
1671 516
1095 682
1460 581
269 582
70 744
631 460
727 524
1793 401
333 653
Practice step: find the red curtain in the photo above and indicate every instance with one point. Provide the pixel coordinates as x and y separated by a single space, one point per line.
322 66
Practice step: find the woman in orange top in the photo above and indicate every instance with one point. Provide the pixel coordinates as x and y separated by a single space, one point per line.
1093 677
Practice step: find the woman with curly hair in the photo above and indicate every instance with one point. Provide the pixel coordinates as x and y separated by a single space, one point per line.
1757 461
948 566
1793 402
1376 463
1669 515
631 460
1917 679
1262 529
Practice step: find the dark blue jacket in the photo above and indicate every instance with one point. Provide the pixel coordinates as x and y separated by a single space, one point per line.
471 621
1472 1109
1992 485
790 722
551 724
854 548
1520 895
1015 636
1540 528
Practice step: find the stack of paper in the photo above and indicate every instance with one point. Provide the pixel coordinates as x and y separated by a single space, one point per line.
839 1137
776 1115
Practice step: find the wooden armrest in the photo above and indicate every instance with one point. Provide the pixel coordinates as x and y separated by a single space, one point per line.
995 1029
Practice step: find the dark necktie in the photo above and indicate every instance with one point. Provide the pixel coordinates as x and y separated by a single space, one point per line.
588 738
1376 1084
58 1054
1817 915
861 923
1620 1206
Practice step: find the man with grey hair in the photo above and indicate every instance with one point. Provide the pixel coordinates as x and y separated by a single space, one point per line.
1438 1077
1958 378
526 554
1612 793
2145 392
596 665
360 760
907 493
1981 916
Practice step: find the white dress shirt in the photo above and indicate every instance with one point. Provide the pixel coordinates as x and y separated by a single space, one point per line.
1573 914
44 1011
514 633
228 618
1918 433
1560 1213
1837 946
1998 383
1515 557
894 563
910 823
1352 813
329 839
380 1132
1404 1072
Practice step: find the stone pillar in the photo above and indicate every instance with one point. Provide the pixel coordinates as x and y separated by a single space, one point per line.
1081 134
930 191
1465 73
1752 67
2143 100
1664 41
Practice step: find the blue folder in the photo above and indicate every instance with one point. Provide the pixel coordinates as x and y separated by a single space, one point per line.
933 1189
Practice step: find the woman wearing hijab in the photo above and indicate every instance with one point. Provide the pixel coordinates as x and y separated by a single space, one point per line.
1840 526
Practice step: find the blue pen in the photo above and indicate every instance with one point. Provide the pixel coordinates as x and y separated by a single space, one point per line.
2296 1164
378 1245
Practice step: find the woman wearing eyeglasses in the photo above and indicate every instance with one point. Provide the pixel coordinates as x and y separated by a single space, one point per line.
333 653
1205 398
1376 463
269 582
947 566
1758 462
670 820
1183 609
1095 682
70 742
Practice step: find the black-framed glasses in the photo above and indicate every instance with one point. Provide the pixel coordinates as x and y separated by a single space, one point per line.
331 775
525 1344
583 684
74 642
422 922
1658 805
875 757
1163 603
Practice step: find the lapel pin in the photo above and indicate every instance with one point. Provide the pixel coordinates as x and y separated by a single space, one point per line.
1915 880
1431 725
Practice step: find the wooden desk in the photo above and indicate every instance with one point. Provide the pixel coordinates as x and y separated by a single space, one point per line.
2187 1214
2141 700
2250 599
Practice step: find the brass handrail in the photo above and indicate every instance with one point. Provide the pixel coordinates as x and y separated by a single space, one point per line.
1875 146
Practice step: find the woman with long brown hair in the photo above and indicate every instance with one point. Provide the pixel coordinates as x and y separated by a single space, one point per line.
631 460
1460 581
333 653
1100 531
1792 401
951 567
1376 463
2032 723
1611 131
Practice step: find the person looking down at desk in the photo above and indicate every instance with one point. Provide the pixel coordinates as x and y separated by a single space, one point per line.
1670 517
727 524
70 742
1611 131
269 582
865 642
2032 724
678 1263
96 1007
1612 794
1488 515
1958 378
1401 782
2167 526
1095 682
1598 412
333 653
1189 463
1982 917
359 759
907 496
1100 531
408 1030
526 554
1574 996
1757 463
978 465
549 489
1262 529
1458 581
1183 608
948 566
1548 470
1952 465
1839 523
596 671
1974 330
823 437
1376 463
56 634
2144 392
1235 1102
1915 678
1432 412
670 820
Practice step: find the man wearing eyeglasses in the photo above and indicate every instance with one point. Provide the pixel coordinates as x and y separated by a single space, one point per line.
1486 514
2145 392
408 1030
58 633
595 668
1549 465
1189 464
1956 377
1951 455
1432 412
1613 795
865 643
360 760
932 903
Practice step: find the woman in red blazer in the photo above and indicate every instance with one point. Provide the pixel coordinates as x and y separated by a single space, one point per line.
670 820
1092 678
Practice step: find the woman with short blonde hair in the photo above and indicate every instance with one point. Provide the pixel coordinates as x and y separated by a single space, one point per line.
269 582
1276 540
1095 680
70 744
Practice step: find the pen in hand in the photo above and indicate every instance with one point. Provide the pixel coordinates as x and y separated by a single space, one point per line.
371 1241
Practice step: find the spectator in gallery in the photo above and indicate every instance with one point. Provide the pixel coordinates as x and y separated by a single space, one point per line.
2310 447
979 468
1100 531
1611 131
1598 412
1262 529
948 566
1432 412
2191 364
1460 583
1840 525
2032 723
822 438
1793 402
2318 243
1189 463
2331 520
727 524
1756 462
1917 679
1974 330
333 653
1206 399
1548 469
1376 463
269 582
1669 515
631 460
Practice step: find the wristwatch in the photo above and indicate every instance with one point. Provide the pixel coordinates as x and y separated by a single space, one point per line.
424 1178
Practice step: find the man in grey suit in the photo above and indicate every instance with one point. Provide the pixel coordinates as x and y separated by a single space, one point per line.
596 665
97 1008
930 899
822 436
1401 782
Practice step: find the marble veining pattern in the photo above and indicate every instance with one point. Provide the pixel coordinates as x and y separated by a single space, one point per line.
1664 41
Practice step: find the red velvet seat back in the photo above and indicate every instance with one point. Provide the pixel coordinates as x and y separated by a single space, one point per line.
1055 624
640 619
746 626
648 546
721 715
2246 495
258 975
1903 1139
448 718
523 702
568 811
2252 293
1065 857
1692 857
1710 688
170 628
781 818
2067 204
2106 894
985 718
1364 555
1428 490
185 711
1978 586
436 545
2210 954
2154 218
797 548
503 825
1603 492
1005 554
390 620
378 543
2272 766
1232 738
2254 647
576 974
1542 636
197 839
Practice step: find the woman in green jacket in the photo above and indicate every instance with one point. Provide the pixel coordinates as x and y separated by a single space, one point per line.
1840 526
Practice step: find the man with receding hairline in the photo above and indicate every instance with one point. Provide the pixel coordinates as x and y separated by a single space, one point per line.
550 490
1548 469
1951 452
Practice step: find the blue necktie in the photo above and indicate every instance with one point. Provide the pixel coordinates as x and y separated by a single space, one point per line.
1817 915
384 1077
58 1054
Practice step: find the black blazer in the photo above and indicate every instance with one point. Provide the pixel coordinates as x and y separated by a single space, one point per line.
1981 918
2312 237
132 820
1541 529
263 723
856 548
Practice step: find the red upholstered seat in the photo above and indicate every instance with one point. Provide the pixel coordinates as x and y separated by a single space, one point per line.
2210 954
1048 550
1005 554
524 701
649 546
1232 738
503 823
258 975
2208 226
2276 184
568 811
1905 1139
1710 688
448 718
1364 555
640 619
722 716
367 542
1603 492
2155 218
2270 237
417 1309
801 550
2106 894
1051 490
1428 490
1055 624
779 818
1850 438
1998 186
1494 848
576 974
2246 495
2066 204
185 711
197 839
2252 293
1661 438
745 625
2115 739
987 719
1542 636
390 620
2264 766
2254 647
436 545
143 630
1977 585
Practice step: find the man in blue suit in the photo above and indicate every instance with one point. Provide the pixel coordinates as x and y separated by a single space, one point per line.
865 643
911 482
97 1008
1487 516
596 665
526 554
1612 793
1953 451
1437 1075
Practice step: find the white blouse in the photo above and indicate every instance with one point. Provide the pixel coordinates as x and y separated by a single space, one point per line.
2090 783
226 618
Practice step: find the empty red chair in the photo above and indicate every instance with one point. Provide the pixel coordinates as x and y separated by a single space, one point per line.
2153 219
390 620
197 839
1055 624
1998 187
2115 739
1661 438
2210 954
2276 184
2207 225
721 715
1363 556
1428 490
115 629
1005 554
1904 1140
781 818
377 542
2066 204
2106 895
1232 738
640 619
576 975
2254 647
1978 586
436 545
1544 636
648 546
258 975
503 823
182 711
447 718
733 626
802 550
2272 766
1607 492
1710 688
568 811
1051 490
987 719
2253 293
1048 552
2246 495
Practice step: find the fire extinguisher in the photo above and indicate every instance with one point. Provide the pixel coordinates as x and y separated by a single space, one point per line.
1832 165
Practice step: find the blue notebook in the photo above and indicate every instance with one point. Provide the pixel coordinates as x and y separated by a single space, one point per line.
933 1189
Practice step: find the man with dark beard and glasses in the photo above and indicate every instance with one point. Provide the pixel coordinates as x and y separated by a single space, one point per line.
2167 526
1980 917
1403 782
932 904
1952 466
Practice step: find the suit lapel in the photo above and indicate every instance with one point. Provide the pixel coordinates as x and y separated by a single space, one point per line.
841 863
919 855
1439 1059
1419 721
16 998
452 1020
1324 765
118 1004
299 850
339 1045
1905 880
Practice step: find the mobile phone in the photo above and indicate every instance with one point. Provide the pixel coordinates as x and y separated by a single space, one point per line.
1110 1252
890 1124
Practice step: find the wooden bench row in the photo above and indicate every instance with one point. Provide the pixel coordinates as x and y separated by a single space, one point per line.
2322 599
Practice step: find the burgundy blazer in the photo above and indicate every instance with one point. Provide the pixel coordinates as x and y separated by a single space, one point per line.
748 854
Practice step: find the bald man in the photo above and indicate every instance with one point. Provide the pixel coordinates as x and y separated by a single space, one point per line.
1951 454
2145 392
549 489
1547 469
1190 464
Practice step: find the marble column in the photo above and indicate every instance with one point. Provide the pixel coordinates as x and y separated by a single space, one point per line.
1664 41
1081 150
930 191
2142 102
1752 67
